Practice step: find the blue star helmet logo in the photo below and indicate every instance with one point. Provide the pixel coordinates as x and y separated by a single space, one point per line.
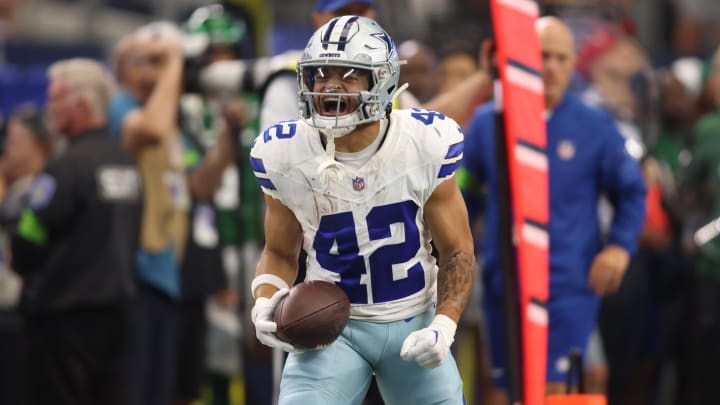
383 36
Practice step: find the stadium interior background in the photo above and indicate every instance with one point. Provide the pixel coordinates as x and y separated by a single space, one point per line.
34 33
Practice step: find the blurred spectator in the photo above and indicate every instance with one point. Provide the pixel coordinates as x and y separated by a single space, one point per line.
7 13
143 117
680 88
74 247
613 63
680 108
696 30
700 185
202 267
27 148
211 129
457 62
710 94
421 69
621 82
237 204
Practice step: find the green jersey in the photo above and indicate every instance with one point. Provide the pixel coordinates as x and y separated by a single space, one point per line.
703 175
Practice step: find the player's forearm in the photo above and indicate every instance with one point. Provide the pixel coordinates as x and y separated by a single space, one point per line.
454 284
270 263
160 110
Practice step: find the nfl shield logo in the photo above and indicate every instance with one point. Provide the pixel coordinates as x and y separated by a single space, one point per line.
358 183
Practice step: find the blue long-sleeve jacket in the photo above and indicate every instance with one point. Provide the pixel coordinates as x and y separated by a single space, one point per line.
586 157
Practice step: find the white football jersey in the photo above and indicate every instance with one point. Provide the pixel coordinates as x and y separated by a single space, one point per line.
366 231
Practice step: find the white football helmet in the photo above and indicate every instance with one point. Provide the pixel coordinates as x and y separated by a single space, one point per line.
357 43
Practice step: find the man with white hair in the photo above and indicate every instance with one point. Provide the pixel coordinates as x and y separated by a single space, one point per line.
74 246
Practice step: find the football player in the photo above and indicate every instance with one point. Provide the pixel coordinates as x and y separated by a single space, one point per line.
364 189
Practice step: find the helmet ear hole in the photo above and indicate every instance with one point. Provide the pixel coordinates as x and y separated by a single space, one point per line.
388 109
304 109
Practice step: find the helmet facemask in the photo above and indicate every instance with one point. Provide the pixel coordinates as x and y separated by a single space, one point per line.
332 108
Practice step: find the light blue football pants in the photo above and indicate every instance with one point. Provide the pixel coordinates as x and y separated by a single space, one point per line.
341 373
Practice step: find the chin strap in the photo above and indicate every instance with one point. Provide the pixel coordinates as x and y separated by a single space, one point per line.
399 91
330 169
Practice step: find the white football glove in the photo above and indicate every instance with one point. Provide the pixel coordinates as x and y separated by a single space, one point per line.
430 346
265 326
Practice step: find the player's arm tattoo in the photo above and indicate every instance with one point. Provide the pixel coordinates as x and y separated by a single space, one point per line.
454 284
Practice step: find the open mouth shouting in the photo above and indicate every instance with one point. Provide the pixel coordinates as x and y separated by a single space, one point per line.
335 105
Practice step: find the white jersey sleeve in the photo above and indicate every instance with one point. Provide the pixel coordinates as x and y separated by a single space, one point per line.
275 153
444 141
366 232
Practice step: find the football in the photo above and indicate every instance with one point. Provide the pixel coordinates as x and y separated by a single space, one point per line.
312 315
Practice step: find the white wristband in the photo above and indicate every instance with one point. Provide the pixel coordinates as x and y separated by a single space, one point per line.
267 279
446 326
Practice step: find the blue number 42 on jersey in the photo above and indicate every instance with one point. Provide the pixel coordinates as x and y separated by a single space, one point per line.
337 250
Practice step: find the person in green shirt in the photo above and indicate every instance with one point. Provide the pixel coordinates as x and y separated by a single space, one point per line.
700 188
217 34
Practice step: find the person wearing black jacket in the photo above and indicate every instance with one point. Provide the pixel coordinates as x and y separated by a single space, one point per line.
75 246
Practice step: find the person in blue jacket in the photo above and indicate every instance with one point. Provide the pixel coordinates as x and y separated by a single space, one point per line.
586 158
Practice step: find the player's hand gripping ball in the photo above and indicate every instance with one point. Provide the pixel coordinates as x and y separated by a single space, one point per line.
312 315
